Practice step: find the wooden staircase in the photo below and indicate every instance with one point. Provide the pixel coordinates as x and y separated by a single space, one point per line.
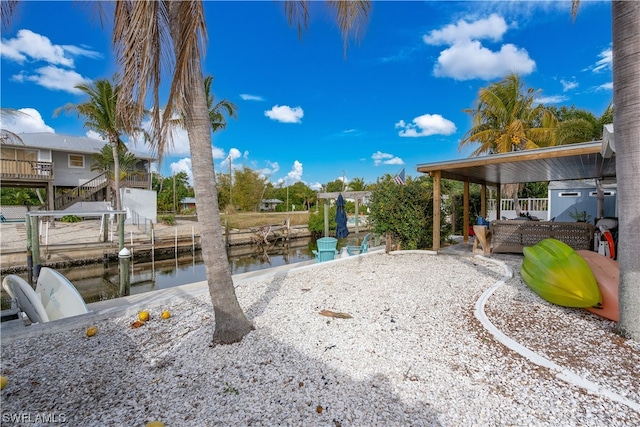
81 192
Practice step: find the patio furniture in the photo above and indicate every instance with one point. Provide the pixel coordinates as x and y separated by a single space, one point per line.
363 248
326 249
510 236
482 238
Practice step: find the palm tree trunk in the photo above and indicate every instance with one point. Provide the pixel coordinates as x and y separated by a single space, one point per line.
230 322
626 98
116 172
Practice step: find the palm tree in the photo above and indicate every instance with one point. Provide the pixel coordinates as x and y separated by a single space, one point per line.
505 119
141 33
357 184
101 116
625 16
103 161
218 110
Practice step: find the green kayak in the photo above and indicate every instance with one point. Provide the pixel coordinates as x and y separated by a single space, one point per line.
557 273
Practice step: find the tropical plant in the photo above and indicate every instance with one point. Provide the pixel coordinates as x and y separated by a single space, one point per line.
101 115
357 184
504 118
404 211
218 110
141 33
103 161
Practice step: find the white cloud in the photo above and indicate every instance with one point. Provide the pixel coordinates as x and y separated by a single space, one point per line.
568 85
270 169
551 99
316 186
95 135
466 58
605 61
380 158
28 45
183 165
54 78
426 125
285 114
247 97
234 154
295 175
470 60
492 28
28 120
605 86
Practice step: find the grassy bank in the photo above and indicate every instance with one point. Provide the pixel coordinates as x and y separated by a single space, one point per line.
245 220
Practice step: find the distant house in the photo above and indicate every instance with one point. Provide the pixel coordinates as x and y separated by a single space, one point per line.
188 203
269 204
61 164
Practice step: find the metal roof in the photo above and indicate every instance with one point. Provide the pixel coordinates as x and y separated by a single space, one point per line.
565 162
74 144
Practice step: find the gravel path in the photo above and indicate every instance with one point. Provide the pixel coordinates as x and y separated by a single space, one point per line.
412 354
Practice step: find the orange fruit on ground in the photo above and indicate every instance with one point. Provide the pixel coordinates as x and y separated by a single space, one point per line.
165 314
92 330
144 316
155 424
3 382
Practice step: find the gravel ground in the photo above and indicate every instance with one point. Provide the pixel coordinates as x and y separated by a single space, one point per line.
412 354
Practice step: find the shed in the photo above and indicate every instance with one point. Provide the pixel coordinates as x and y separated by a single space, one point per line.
568 197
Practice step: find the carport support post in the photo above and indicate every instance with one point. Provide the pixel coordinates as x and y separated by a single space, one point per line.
465 213
483 201
436 210
498 201
326 217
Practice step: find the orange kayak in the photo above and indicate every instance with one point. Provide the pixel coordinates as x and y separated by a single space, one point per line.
607 274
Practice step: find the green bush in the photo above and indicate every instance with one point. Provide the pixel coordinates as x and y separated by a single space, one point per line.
70 218
316 220
404 211
168 219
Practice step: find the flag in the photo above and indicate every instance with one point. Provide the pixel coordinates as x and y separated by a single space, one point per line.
399 179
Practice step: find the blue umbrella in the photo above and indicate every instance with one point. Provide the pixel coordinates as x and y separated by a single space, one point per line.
341 219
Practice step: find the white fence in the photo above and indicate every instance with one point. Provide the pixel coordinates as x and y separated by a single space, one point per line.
538 207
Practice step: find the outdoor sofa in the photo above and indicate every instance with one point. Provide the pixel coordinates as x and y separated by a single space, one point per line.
510 236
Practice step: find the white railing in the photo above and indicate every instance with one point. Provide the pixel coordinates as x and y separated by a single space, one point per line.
538 207
531 204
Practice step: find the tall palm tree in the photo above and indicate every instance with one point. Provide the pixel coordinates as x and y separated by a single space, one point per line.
218 110
625 16
143 32
100 114
504 119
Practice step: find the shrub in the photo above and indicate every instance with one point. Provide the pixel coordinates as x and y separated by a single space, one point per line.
70 218
168 219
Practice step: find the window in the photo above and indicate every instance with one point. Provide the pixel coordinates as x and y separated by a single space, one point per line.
76 161
569 194
607 193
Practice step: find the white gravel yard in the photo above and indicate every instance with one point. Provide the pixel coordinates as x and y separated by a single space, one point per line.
412 354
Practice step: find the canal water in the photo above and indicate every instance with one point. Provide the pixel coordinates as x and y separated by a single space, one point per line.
98 282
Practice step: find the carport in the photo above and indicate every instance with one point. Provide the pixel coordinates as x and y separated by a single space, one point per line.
588 160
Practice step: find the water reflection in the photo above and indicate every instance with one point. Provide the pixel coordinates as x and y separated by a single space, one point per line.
97 282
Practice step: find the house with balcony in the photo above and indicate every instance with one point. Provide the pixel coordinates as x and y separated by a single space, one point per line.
62 166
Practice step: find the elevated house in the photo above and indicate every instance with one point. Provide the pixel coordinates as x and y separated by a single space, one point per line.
62 165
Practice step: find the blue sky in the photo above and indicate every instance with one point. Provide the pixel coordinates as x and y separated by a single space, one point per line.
307 113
